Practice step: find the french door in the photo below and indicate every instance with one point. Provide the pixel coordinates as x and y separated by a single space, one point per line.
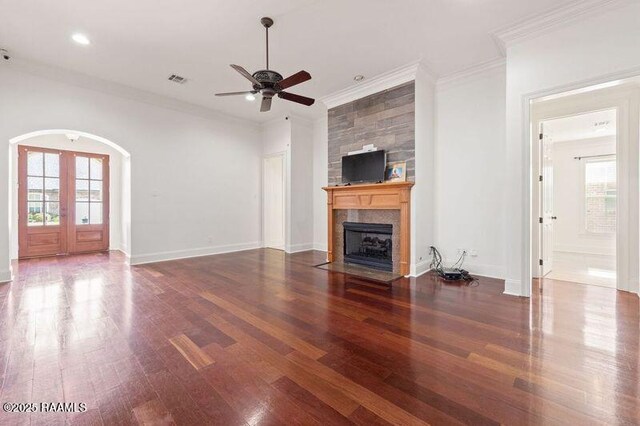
63 201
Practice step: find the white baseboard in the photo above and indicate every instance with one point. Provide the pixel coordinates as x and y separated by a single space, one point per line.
512 287
596 251
420 268
482 269
6 276
296 248
320 246
183 254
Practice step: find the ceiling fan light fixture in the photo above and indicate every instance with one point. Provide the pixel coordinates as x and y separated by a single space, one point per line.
81 39
269 83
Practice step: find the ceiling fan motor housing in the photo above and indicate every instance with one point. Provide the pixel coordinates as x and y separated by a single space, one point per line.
269 79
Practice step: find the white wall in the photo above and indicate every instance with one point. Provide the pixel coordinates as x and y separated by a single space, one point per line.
423 206
59 141
470 161
596 49
320 179
294 136
301 227
195 179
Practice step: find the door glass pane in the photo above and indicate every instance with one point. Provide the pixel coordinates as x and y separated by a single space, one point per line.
82 168
52 213
82 190
96 168
52 165
35 163
35 216
82 213
35 186
96 190
96 213
52 189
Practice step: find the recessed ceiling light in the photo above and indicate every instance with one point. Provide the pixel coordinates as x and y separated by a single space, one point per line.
358 78
250 97
81 39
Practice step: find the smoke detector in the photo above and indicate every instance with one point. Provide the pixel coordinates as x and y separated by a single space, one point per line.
177 79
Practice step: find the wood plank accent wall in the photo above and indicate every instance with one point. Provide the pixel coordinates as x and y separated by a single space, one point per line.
385 119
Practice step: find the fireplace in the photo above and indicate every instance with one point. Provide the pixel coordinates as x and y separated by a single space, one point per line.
369 244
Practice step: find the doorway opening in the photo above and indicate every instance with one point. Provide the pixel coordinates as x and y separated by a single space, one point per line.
70 194
584 192
273 201
578 198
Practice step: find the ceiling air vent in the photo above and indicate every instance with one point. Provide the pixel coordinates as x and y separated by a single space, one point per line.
177 79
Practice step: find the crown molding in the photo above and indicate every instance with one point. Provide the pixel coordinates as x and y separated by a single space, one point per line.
85 81
470 72
535 25
377 84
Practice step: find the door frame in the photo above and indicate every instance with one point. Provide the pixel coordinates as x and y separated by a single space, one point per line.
619 99
283 156
67 201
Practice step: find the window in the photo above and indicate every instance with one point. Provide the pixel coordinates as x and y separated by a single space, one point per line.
88 191
43 189
600 195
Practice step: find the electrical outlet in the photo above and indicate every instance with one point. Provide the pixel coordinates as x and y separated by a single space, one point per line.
473 253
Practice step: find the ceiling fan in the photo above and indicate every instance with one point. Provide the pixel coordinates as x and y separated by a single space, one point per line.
270 83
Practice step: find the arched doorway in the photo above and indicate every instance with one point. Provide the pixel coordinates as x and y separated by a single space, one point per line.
80 147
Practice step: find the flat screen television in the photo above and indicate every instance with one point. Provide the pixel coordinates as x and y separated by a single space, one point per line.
365 167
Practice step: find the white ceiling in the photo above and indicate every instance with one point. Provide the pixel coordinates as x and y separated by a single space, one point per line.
578 127
141 42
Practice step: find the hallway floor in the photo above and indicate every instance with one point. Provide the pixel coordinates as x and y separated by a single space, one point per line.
584 268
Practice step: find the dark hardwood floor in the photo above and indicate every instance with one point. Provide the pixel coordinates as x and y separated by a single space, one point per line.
260 337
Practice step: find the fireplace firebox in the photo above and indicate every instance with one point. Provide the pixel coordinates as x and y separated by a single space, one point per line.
369 244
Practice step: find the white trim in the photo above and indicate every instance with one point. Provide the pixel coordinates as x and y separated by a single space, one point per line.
562 16
469 72
579 249
481 269
6 276
96 138
512 287
297 248
320 247
164 256
420 268
86 81
376 84
526 201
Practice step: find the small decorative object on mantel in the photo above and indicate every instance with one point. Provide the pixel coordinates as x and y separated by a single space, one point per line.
396 172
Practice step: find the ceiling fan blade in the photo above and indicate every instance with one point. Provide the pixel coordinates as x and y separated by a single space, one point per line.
266 104
250 92
297 78
246 74
296 98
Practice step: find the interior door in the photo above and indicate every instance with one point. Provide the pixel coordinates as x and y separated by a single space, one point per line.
42 202
547 205
89 202
273 201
